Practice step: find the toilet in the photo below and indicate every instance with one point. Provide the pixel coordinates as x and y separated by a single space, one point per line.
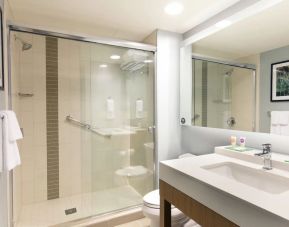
151 209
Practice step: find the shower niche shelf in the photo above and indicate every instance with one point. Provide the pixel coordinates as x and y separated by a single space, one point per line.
127 130
132 171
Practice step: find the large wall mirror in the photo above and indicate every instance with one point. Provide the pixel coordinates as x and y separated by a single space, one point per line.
223 94
240 76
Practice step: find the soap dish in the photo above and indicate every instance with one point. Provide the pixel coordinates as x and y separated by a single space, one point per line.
239 148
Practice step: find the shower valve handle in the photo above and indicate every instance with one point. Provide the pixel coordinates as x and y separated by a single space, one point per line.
151 129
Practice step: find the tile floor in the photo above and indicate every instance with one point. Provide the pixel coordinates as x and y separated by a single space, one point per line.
51 212
144 222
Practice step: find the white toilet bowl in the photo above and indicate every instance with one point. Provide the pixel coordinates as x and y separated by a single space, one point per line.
151 209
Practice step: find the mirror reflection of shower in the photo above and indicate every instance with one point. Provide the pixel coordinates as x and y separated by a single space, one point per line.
227 86
25 45
222 95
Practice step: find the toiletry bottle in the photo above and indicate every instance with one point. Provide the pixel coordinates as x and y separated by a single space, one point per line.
242 141
233 140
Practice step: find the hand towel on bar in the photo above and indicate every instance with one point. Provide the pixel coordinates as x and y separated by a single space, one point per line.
283 118
275 127
284 130
275 117
10 134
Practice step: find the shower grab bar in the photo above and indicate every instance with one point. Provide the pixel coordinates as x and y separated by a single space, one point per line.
25 94
84 125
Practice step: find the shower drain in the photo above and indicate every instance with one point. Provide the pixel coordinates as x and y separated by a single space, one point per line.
70 211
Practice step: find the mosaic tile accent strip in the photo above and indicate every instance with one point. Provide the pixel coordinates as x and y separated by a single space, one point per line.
204 93
52 118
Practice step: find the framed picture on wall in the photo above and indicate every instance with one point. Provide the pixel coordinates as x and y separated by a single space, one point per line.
1 52
280 81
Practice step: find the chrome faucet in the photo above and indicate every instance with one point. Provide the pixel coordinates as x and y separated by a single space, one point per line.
266 154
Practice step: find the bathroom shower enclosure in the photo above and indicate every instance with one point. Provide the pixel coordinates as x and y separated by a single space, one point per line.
86 110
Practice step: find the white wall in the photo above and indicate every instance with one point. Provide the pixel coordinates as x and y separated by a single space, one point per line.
266 59
168 83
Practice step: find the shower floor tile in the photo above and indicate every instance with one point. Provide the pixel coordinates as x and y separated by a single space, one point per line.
52 212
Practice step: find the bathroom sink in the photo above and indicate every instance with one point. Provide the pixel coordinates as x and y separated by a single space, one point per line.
256 178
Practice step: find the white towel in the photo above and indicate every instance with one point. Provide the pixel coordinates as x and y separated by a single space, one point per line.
279 123
11 132
275 117
283 118
275 125
139 108
284 130
275 129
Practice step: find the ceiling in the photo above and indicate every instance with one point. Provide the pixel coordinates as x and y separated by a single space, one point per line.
265 31
123 19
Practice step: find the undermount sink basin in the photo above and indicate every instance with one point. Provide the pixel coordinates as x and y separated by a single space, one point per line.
256 178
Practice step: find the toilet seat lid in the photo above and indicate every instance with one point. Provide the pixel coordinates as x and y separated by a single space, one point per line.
152 198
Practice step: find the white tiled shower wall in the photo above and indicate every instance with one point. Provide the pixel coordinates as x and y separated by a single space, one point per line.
28 70
69 98
29 77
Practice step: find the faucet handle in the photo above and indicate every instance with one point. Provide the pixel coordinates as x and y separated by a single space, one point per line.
266 148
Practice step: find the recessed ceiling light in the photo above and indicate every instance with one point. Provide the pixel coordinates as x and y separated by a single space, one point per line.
223 23
103 66
115 57
174 8
148 61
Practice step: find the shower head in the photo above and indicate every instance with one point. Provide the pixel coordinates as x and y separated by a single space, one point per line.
25 45
229 72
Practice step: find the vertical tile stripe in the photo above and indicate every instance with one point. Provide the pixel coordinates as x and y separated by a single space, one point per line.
204 93
52 118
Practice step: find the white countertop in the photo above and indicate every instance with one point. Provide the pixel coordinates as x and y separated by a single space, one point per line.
277 204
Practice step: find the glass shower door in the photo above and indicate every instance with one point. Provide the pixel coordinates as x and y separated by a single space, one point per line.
86 149
122 110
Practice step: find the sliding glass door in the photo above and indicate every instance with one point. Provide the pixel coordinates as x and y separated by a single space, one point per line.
85 110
